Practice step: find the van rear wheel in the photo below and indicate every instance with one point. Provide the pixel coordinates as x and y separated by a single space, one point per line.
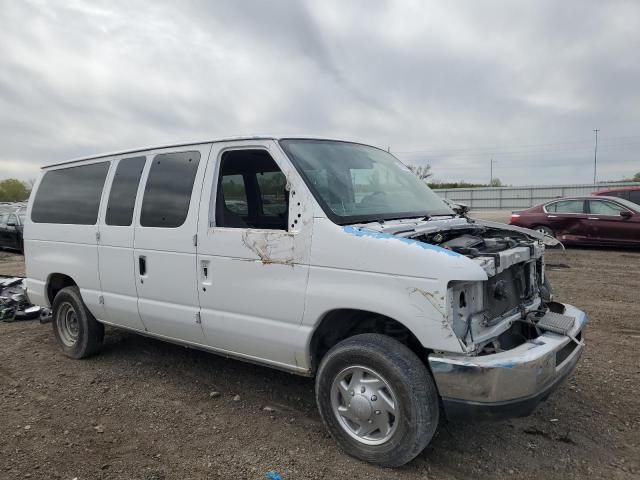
76 330
377 399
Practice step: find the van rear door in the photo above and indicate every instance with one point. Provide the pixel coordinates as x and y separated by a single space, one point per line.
61 232
165 243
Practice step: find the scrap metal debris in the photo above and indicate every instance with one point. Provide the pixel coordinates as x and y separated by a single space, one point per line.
15 305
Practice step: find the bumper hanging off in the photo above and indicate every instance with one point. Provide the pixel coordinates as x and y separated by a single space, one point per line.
509 383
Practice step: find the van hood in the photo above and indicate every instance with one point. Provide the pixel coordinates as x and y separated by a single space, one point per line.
418 227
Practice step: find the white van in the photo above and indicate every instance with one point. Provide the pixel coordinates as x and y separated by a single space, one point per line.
320 257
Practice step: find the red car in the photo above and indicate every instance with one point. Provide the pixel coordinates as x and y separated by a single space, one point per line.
587 220
628 193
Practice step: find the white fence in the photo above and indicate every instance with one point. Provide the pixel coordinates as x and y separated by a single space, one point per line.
522 197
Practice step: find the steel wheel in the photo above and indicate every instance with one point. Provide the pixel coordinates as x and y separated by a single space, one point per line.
67 324
365 405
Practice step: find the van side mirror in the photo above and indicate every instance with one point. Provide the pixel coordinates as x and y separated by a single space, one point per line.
626 214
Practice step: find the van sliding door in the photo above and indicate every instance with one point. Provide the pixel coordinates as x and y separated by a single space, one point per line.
165 243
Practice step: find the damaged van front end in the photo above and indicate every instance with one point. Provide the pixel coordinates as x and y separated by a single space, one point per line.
510 380
517 344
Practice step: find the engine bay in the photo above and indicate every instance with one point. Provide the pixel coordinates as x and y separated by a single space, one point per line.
476 241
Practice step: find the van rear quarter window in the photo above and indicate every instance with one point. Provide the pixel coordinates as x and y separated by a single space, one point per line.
70 195
167 194
124 188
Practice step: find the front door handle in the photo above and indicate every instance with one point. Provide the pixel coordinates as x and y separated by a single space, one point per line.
142 265
592 218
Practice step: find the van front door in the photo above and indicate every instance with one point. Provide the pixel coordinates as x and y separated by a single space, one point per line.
253 253
164 244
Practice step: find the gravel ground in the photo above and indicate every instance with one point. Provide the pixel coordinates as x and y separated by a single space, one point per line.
149 410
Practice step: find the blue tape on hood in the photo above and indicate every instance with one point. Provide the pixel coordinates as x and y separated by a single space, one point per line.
363 232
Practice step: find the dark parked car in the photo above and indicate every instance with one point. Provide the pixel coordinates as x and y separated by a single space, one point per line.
588 220
628 193
11 223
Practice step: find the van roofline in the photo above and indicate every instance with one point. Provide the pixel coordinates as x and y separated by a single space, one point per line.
186 144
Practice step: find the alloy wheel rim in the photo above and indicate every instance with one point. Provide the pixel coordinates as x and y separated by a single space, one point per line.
365 405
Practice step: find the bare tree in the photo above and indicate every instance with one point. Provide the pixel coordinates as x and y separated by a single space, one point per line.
421 171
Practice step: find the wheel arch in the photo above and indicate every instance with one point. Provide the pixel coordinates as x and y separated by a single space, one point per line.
341 323
56 282
541 224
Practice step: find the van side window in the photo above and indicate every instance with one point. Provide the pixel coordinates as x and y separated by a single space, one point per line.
124 188
70 195
167 194
251 191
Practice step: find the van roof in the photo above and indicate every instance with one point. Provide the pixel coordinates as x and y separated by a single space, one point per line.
186 144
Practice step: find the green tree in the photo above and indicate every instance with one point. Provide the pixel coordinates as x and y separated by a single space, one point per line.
13 190
495 182
636 177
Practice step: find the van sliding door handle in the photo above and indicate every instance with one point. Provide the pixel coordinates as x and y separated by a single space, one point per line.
205 274
142 265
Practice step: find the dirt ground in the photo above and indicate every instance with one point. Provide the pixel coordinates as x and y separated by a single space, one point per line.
11 264
147 410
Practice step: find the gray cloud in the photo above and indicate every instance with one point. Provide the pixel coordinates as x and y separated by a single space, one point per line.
452 84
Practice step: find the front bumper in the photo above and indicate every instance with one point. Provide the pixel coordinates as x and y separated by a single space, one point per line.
510 383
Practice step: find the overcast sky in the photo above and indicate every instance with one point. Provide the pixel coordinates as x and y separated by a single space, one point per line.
451 84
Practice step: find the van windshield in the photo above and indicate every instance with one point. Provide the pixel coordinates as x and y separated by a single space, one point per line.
357 183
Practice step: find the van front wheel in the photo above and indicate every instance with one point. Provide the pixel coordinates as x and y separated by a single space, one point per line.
76 330
377 399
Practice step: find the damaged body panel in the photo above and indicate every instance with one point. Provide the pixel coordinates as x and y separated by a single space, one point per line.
512 261
510 382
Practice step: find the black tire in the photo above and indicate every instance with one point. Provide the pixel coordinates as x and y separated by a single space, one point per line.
544 229
89 332
411 382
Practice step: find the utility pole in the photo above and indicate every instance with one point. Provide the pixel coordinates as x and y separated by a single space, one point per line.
491 174
595 156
